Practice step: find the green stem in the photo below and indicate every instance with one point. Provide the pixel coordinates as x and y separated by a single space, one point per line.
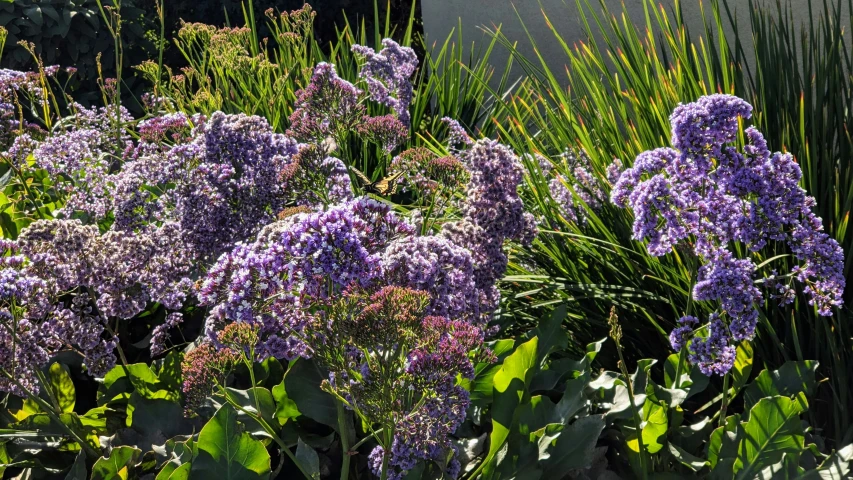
162 14
725 404
49 390
681 355
343 426
365 439
644 463
251 368
385 456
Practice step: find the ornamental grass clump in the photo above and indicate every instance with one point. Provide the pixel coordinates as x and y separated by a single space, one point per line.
706 195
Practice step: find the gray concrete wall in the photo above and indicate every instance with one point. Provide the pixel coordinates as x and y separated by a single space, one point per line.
442 16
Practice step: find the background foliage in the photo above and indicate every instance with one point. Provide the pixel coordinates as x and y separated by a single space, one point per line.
627 408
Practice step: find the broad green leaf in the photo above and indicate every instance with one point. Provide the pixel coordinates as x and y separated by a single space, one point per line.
566 448
307 457
723 441
4 180
117 465
655 424
285 408
246 399
573 399
95 419
536 414
182 472
773 429
169 370
226 452
136 377
155 419
302 384
789 380
482 386
62 387
692 381
177 454
550 333
690 461
786 468
835 467
742 366
510 385
560 370
34 13
613 392
78 468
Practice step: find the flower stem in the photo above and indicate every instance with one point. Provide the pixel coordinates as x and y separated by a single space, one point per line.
638 425
681 355
725 404
343 425
49 390
87 449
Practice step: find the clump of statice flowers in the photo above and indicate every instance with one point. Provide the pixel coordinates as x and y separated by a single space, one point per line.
388 75
265 231
706 194
347 280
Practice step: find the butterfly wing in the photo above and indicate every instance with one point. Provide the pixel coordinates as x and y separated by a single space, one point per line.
394 179
362 178
388 185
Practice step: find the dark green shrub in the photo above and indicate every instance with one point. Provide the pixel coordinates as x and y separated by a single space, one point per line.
73 33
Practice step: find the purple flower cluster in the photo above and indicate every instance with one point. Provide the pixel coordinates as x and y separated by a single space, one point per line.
388 75
385 130
203 368
350 283
457 135
37 324
578 183
315 180
303 256
714 354
77 157
328 106
160 334
492 213
126 270
13 85
705 190
231 188
614 171
435 265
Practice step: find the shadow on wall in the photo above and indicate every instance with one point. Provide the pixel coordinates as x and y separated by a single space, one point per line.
441 17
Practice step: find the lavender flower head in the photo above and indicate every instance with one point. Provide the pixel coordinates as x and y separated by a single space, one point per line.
308 257
388 75
328 106
493 212
704 189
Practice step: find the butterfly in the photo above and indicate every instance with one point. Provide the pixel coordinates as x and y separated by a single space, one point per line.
386 186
